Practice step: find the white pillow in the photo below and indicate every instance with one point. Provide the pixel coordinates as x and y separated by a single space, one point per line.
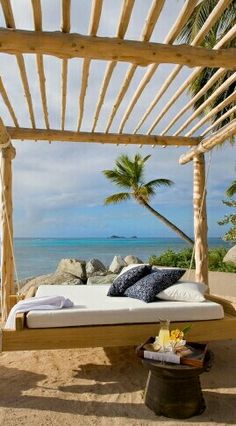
184 291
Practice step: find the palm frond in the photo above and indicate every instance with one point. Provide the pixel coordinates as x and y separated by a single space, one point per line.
117 198
231 191
159 182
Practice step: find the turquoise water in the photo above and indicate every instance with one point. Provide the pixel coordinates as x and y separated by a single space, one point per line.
37 256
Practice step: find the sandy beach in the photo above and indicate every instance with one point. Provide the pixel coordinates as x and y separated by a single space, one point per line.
91 387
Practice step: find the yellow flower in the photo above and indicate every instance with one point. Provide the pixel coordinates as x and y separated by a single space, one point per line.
176 335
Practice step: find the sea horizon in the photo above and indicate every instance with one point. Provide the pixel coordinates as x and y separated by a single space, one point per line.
37 256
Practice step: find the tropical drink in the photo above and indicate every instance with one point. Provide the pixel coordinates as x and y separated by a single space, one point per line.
164 337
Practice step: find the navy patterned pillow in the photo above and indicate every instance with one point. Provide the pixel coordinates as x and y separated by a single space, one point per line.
128 278
147 288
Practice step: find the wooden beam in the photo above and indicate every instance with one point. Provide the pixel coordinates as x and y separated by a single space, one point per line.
110 335
37 12
200 220
104 48
114 138
7 263
209 142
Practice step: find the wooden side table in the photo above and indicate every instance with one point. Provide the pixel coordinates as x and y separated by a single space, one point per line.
174 390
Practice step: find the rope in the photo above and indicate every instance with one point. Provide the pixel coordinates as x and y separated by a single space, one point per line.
9 230
200 209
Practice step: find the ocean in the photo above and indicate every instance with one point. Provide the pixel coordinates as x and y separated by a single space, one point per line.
38 256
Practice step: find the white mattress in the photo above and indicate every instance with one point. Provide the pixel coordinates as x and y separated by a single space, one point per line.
92 306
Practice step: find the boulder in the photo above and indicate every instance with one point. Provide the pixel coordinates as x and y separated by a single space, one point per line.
51 279
108 279
132 260
95 267
117 264
75 267
230 256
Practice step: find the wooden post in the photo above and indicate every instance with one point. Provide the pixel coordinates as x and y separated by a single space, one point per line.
200 219
7 265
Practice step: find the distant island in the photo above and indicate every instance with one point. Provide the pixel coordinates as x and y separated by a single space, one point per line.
118 236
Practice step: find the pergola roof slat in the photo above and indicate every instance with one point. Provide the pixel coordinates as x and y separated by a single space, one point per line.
208 101
209 142
211 20
218 108
65 27
182 18
184 15
230 111
227 38
10 23
8 103
37 12
93 27
153 15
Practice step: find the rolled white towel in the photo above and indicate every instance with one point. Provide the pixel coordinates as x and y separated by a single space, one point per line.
36 303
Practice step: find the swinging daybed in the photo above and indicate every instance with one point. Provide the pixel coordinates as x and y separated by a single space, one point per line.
138 53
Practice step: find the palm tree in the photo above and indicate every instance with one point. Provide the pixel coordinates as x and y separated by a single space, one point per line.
128 174
219 29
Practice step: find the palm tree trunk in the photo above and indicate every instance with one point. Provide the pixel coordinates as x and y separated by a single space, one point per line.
167 222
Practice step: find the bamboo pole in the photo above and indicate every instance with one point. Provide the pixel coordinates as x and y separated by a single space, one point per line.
210 142
37 12
113 138
7 265
200 219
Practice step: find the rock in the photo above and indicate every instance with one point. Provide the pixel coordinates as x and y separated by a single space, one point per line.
51 279
230 256
132 260
75 267
117 264
95 267
108 279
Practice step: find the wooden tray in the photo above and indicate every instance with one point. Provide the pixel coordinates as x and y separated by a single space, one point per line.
194 359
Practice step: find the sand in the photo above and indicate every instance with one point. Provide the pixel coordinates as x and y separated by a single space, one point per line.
102 387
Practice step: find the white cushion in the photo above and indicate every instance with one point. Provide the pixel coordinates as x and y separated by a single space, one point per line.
92 306
184 291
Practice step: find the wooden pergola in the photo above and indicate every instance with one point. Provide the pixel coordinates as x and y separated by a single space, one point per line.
138 53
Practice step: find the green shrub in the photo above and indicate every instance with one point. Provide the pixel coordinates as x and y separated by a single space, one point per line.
182 259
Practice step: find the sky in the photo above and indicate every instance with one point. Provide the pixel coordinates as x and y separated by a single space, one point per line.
59 188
